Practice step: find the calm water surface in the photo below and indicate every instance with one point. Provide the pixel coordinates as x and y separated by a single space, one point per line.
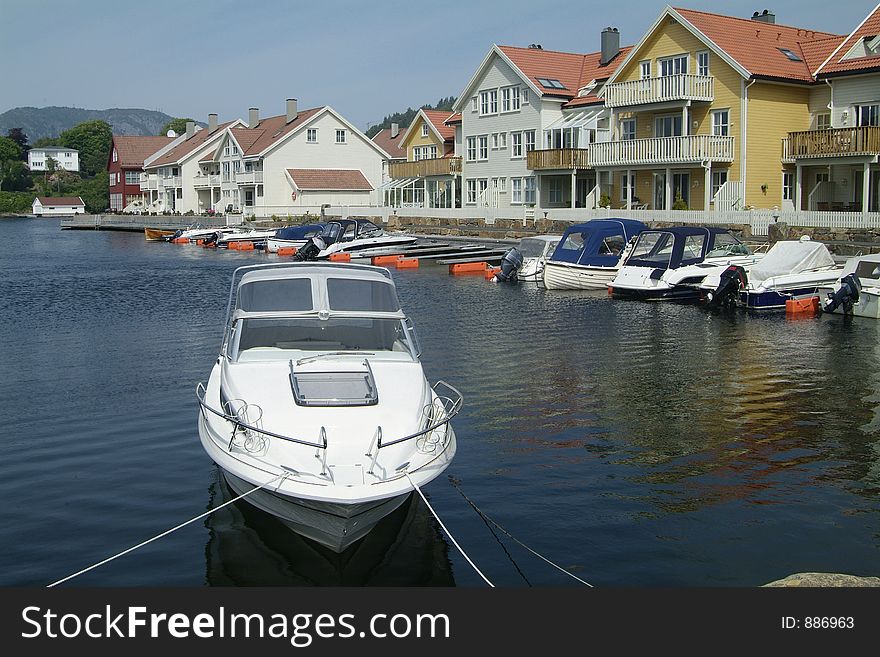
637 444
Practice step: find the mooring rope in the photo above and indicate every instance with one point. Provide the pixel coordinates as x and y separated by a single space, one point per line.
511 536
448 533
282 476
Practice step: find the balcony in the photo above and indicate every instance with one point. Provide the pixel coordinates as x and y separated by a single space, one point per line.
202 182
149 182
558 158
692 149
834 142
171 181
660 90
440 166
248 177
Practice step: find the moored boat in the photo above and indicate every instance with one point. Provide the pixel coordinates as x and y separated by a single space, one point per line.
856 291
350 235
157 234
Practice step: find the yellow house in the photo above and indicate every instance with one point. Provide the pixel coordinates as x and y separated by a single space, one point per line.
699 108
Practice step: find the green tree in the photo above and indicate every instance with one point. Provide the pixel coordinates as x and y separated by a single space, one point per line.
15 176
9 152
17 135
95 192
178 125
43 142
92 139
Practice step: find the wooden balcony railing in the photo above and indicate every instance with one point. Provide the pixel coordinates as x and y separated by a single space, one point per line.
859 140
558 158
440 166
691 149
660 90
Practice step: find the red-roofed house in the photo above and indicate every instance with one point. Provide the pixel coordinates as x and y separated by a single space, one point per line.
125 166
58 206
252 163
527 115
699 108
429 177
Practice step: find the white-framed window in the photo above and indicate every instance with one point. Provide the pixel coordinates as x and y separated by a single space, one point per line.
627 129
516 144
500 184
703 62
505 99
721 123
516 190
227 149
489 102
525 95
787 186
132 178
312 135
234 149
483 147
823 121
482 186
474 104
514 99
502 140
557 189
494 141
529 139
340 136
631 181
259 191
868 115
115 156
424 129
669 125
676 65
471 195
529 190
718 180
645 69
471 152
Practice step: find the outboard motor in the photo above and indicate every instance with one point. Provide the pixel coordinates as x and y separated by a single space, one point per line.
311 249
733 279
173 236
510 263
847 294
211 240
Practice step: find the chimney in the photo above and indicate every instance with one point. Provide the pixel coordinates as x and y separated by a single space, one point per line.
212 123
291 109
610 45
190 129
253 117
765 16
395 130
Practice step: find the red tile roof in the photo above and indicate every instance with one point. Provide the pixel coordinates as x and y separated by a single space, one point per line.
453 119
270 131
438 120
330 179
817 51
187 146
60 200
389 144
132 150
755 45
870 27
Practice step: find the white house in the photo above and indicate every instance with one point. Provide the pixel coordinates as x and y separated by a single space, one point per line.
58 206
65 158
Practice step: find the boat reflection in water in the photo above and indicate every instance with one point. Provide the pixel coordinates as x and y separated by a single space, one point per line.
249 547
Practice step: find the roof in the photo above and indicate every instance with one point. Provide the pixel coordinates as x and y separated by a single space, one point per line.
870 27
438 120
330 179
270 131
134 149
187 146
756 45
389 144
53 149
59 200
453 119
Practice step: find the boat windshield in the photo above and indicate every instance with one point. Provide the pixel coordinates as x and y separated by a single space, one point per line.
653 249
726 244
368 229
533 248
354 334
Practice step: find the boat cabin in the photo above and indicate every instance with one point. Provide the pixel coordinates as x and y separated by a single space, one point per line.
347 230
295 233
596 243
671 248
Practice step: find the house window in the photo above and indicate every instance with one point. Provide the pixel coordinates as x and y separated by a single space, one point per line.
721 123
499 184
494 141
631 180
259 191
787 186
489 102
703 63
132 178
668 126
312 136
525 96
516 144
516 190
823 121
340 136
505 99
557 193
227 149
234 149
529 190
424 129
529 136
790 54
471 196
115 156
482 186
474 104
718 180
483 147
645 68
471 149
677 65
867 115
502 140
627 129
514 99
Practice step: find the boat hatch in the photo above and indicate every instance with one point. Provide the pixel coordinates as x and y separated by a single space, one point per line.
338 388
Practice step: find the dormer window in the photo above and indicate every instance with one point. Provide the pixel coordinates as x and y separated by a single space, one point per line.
790 54
551 83
424 130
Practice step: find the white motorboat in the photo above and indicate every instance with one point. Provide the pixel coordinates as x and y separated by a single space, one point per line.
791 269
856 291
525 261
257 236
199 232
671 263
350 235
293 237
589 254
319 398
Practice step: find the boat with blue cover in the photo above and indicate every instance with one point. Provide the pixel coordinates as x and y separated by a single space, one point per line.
293 236
589 254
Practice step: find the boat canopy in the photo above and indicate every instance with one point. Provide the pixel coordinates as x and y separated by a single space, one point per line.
791 257
678 246
596 243
299 232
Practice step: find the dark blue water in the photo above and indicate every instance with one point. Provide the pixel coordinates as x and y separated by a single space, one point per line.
636 444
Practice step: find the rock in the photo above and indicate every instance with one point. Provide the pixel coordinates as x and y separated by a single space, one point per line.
778 231
825 580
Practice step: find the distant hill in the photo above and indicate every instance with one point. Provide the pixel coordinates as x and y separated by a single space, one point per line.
403 119
39 122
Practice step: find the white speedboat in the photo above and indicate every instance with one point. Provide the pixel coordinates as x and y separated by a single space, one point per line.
293 237
856 291
350 235
791 269
319 398
257 236
589 254
199 232
671 263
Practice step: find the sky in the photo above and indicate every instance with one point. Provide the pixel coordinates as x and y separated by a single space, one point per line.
365 59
